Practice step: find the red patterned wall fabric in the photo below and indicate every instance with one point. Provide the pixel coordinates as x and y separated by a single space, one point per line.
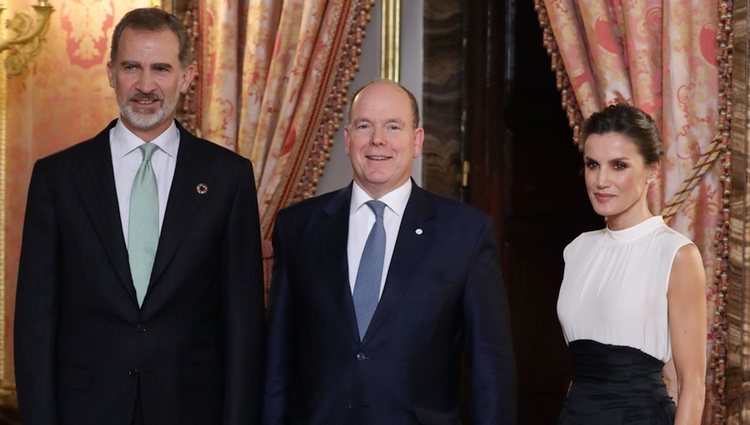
62 99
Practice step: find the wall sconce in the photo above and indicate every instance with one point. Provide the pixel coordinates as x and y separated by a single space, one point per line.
27 42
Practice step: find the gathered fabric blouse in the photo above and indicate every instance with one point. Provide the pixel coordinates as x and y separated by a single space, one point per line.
615 284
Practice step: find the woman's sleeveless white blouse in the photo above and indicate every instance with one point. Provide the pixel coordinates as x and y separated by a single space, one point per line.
614 289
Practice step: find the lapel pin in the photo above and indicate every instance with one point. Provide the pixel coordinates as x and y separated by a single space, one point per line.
202 188
418 231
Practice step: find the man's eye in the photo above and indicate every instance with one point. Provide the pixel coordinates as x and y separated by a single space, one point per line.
393 127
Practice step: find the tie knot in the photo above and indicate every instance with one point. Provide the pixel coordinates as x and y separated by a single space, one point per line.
377 207
148 150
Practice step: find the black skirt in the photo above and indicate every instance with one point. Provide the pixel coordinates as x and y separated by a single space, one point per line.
615 385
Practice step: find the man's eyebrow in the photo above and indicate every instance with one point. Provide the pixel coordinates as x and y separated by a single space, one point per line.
159 65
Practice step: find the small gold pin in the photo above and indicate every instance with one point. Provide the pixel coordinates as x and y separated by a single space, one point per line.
202 188
418 231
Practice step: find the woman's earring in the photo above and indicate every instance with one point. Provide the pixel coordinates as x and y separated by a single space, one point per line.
649 180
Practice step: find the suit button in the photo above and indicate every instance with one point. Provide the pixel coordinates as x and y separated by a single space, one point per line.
141 328
134 372
362 357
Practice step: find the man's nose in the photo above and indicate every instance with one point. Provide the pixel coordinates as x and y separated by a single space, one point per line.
146 82
377 137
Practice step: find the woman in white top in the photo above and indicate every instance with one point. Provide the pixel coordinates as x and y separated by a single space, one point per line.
633 294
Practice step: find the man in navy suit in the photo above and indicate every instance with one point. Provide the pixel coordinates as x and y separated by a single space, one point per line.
438 298
183 347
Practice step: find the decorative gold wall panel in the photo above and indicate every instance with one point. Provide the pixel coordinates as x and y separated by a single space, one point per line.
390 40
5 383
63 98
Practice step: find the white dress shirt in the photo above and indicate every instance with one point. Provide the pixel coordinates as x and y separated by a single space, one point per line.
361 220
126 158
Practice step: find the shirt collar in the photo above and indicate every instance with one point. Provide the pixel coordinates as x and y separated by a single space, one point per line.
125 141
395 200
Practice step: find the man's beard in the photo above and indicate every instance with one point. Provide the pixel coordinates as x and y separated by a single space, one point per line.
145 121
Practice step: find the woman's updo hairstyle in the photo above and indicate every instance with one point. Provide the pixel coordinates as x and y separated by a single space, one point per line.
631 122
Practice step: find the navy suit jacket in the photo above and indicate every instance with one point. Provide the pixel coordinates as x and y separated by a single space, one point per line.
443 298
83 347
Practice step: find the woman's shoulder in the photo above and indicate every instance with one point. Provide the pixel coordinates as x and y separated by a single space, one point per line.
671 238
585 240
588 237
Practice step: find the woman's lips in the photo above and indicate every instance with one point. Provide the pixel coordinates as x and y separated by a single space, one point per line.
603 197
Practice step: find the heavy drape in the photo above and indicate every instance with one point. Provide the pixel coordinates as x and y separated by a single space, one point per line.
670 58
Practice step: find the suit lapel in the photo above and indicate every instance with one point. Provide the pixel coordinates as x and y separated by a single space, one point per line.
96 185
336 230
414 237
190 170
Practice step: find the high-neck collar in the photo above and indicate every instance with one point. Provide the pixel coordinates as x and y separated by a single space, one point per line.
637 231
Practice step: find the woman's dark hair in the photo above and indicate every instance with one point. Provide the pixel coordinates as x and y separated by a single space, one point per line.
630 122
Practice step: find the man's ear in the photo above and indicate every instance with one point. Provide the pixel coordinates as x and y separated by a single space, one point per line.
110 74
187 78
347 140
418 141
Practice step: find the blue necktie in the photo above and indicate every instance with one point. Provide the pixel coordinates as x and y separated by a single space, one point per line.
143 227
370 272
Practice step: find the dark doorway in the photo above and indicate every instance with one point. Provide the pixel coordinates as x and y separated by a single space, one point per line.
526 172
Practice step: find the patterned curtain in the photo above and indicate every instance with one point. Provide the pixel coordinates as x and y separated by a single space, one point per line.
279 98
662 56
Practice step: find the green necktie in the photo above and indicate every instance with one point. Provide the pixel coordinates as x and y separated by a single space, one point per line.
143 227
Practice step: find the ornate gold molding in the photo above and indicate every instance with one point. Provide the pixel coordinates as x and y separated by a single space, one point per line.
390 40
7 390
27 42
166 5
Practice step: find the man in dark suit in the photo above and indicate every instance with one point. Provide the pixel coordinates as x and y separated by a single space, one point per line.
357 338
140 295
